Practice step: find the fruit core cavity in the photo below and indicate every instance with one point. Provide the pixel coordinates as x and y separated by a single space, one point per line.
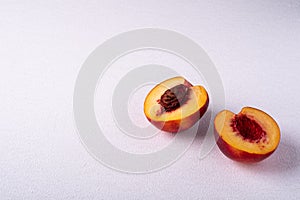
248 128
174 97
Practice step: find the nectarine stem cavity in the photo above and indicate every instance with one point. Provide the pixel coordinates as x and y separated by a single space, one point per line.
248 128
173 98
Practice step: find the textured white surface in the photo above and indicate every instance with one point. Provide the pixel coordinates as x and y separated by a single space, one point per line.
254 45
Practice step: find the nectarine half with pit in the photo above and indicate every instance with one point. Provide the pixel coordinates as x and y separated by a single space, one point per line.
249 136
175 104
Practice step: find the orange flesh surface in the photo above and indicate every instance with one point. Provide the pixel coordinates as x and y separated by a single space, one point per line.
251 130
197 97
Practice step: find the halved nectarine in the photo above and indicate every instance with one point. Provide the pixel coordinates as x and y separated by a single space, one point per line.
249 136
175 104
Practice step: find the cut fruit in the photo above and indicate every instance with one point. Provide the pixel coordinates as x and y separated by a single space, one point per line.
175 104
250 136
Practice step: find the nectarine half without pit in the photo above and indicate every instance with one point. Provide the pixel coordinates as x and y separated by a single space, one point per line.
175 104
249 136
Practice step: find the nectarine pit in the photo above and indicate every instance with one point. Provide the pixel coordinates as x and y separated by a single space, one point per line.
174 97
248 128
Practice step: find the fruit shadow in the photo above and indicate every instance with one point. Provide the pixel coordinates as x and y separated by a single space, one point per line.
203 125
285 158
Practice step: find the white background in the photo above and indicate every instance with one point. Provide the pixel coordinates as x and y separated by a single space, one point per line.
255 46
